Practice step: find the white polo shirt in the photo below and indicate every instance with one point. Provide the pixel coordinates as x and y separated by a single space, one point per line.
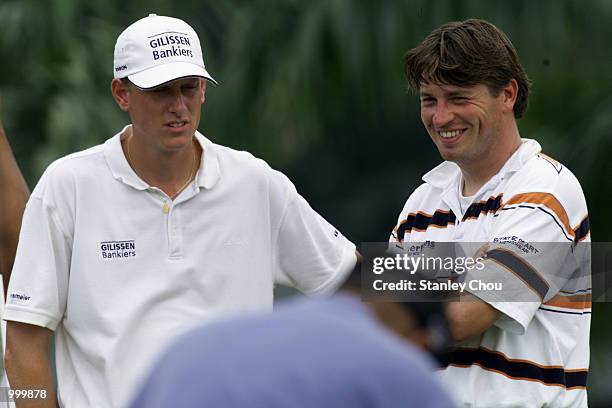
100 262
537 353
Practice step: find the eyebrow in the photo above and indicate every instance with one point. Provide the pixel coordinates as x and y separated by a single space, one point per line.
455 93
157 88
449 94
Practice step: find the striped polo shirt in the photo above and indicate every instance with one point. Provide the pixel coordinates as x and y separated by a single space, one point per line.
532 217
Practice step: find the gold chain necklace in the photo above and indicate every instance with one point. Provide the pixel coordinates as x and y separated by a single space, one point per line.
190 176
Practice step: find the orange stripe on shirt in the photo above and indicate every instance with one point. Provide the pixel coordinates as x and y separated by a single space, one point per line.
583 301
549 159
548 200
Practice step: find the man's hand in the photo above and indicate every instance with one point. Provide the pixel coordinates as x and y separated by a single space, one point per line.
27 363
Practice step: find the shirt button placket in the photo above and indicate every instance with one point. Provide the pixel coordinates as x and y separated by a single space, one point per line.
174 236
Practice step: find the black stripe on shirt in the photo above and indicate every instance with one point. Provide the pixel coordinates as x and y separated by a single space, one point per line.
587 290
518 369
583 229
520 268
421 221
491 205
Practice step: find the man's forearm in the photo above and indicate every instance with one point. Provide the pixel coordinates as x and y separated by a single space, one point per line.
14 197
470 317
27 364
31 371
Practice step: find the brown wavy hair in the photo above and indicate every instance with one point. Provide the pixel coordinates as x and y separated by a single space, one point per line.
467 53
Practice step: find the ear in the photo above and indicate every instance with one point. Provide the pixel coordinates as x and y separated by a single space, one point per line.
203 83
121 94
509 94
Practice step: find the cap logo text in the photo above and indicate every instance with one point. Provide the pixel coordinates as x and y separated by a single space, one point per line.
171 43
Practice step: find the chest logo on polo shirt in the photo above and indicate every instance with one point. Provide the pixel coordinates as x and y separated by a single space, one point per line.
118 249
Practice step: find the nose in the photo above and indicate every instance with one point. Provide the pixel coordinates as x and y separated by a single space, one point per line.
442 116
177 101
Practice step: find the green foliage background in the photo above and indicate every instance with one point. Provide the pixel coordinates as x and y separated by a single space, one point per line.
316 88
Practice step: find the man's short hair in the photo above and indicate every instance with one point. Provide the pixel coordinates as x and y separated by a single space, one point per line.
467 53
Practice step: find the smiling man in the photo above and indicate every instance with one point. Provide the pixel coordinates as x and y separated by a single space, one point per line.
128 244
528 345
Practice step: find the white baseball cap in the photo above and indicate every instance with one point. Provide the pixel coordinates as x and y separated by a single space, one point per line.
159 49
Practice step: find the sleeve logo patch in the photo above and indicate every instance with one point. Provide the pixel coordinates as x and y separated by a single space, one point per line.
22 298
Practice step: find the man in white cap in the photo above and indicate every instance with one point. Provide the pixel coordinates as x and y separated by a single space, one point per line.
128 244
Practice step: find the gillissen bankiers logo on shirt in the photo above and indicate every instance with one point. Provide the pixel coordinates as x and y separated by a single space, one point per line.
118 249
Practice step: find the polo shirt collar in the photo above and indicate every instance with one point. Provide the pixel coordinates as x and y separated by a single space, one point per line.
118 164
207 176
447 173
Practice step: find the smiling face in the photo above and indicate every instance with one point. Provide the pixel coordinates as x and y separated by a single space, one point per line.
165 117
465 123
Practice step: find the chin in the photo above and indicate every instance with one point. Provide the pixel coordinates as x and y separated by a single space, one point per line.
446 154
177 142
451 156
183 139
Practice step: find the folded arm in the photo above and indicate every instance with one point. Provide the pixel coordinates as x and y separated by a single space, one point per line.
470 317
